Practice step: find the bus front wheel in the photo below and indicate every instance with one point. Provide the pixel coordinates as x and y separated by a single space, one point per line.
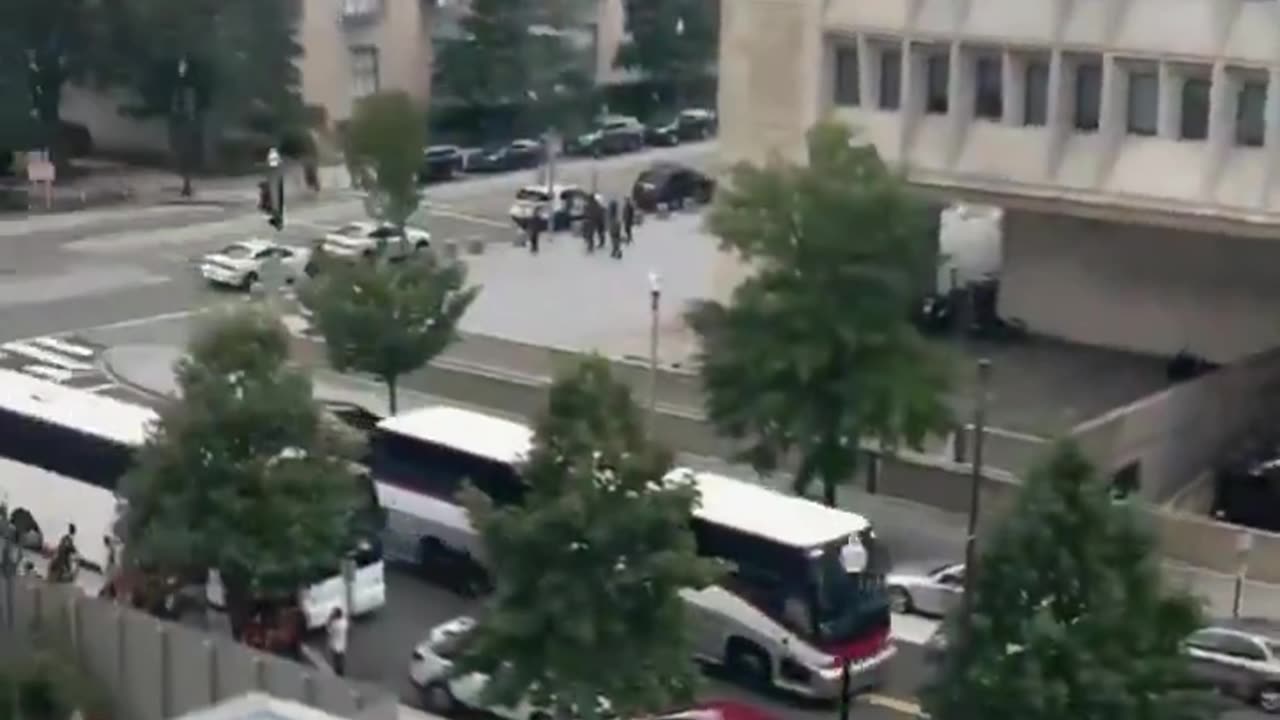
748 663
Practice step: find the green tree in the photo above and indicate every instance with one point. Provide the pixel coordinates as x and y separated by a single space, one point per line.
242 475
1070 618
53 42
675 42
815 353
213 69
588 567
388 319
518 52
384 143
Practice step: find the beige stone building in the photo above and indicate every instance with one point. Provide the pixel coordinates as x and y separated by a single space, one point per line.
1135 144
353 48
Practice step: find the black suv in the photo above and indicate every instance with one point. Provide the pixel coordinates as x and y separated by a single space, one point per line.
672 185
440 162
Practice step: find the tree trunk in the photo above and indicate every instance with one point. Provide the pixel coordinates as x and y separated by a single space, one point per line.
803 476
392 399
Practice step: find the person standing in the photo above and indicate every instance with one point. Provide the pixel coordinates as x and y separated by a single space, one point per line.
588 225
615 234
337 628
601 228
534 228
628 218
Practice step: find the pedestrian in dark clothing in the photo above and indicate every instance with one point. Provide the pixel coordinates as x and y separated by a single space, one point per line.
598 220
589 230
615 236
534 228
628 218
337 631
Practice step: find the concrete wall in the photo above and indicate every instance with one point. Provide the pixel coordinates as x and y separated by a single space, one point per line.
1140 287
1179 432
156 670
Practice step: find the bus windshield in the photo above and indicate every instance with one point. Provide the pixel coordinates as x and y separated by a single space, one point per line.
848 604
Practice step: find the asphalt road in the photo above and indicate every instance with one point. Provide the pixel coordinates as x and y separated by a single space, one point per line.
126 276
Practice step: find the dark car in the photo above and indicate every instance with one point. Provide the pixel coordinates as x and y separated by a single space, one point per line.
696 124
662 133
440 162
515 155
672 185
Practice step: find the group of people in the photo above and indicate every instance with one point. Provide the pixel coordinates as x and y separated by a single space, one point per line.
612 219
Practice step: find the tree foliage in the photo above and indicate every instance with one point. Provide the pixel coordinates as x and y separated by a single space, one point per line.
518 52
384 144
388 319
52 41
815 353
240 56
1070 618
672 41
588 567
242 475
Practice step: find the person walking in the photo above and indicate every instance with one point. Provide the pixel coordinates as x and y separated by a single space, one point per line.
628 218
599 220
534 228
615 235
337 628
588 226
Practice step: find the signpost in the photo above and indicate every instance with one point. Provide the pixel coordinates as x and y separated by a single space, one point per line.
1244 545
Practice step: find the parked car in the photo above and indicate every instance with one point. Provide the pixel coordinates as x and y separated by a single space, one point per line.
368 239
615 134
515 155
243 263
671 184
662 133
440 162
931 588
565 204
1240 658
445 692
696 124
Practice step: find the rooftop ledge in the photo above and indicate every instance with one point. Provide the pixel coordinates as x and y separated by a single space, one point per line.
1113 207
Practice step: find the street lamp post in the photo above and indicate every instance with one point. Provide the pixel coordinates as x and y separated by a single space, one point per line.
975 481
655 301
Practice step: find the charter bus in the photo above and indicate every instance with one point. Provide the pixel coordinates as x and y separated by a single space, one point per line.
64 450
804 599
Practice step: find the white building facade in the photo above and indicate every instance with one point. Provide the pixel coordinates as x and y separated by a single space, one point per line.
1135 144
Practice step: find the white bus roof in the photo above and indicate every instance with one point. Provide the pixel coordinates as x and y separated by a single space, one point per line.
768 514
467 431
76 409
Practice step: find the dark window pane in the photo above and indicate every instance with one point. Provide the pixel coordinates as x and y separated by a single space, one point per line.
1251 113
890 79
1144 98
847 85
1195 109
938 76
1037 96
1088 96
989 88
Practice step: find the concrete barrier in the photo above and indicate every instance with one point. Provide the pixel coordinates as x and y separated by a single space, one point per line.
155 670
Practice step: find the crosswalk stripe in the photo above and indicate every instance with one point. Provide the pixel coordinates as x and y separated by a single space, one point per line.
905 707
57 375
37 353
65 347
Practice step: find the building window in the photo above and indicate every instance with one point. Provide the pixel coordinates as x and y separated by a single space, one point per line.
937 68
1251 111
1088 95
364 71
847 84
890 78
988 88
1195 109
1036 109
1144 99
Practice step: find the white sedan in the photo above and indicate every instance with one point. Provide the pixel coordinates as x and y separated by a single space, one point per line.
444 692
367 239
929 588
242 264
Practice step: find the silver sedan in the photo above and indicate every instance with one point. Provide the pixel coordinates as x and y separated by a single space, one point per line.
931 588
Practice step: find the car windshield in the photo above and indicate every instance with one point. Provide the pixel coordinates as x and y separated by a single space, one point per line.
237 251
451 645
531 195
843 598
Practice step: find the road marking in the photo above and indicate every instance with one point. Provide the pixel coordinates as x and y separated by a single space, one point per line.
57 375
122 324
34 352
65 347
906 707
490 222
